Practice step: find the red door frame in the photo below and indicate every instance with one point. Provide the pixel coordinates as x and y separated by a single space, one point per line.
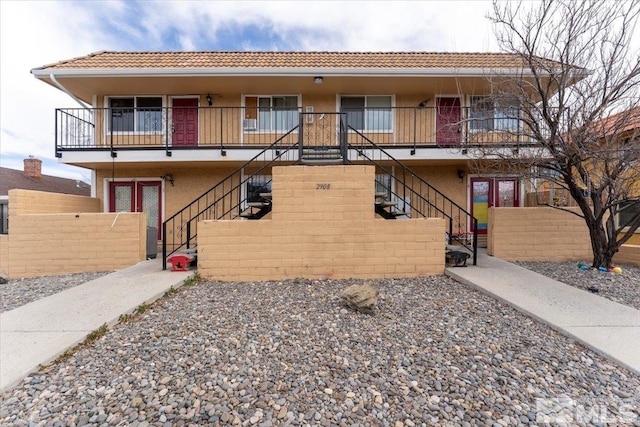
112 195
136 197
184 122
493 199
448 114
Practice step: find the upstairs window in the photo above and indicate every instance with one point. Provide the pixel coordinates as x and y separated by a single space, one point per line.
270 113
494 114
135 114
368 113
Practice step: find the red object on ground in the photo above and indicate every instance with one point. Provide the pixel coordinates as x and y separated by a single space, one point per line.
180 262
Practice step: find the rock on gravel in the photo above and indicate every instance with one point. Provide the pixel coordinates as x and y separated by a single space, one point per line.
622 288
18 292
287 353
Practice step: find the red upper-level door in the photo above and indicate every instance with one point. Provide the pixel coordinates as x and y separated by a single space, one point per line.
448 128
184 122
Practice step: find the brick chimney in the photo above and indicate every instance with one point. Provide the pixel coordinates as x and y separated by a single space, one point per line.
33 168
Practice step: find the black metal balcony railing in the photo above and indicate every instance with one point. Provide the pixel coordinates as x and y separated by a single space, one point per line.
235 127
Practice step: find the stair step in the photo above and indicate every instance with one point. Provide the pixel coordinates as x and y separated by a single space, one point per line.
386 203
265 195
321 150
381 194
257 204
321 161
321 155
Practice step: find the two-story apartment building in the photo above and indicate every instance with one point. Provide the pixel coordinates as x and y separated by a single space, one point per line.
186 136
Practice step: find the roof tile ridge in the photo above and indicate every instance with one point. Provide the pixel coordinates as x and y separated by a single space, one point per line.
76 58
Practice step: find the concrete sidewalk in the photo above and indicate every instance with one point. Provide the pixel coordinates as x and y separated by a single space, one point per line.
38 332
607 327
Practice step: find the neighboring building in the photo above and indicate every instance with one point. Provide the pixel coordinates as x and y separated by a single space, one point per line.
622 131
31 178
161 129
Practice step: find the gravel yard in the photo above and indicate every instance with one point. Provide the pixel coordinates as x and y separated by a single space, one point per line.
19 292
289 353
623 288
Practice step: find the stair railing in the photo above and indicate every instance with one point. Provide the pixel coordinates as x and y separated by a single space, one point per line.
225 199
430 202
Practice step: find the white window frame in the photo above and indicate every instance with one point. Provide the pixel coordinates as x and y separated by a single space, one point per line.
391 127
271 129
497 122
134 131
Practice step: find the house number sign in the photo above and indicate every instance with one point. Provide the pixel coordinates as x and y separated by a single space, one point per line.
323 186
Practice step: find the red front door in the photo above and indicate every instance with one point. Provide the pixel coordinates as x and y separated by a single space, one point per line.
492 192
448 122
184 122
139 196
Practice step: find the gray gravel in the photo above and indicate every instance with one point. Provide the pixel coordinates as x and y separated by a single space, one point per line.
623 288
289 353
18 292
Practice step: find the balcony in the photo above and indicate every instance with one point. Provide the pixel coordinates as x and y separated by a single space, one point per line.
223 128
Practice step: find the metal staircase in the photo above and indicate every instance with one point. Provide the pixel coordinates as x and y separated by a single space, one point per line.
227 199
326 139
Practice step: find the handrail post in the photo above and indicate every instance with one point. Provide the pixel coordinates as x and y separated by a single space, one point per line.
164 245
188 233
343 138
166 132
300 135
57 113
475 240
222 150
415 129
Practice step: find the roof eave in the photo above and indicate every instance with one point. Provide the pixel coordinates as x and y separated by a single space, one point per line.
279 72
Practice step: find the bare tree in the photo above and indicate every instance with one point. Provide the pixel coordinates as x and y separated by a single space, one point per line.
576 121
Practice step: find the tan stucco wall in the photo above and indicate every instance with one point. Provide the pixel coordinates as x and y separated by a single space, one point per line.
628 255
537 234
323 225
49 244
39 202
446 180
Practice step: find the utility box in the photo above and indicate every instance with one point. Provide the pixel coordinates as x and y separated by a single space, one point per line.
152 242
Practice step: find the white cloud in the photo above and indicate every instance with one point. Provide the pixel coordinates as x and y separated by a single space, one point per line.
34 33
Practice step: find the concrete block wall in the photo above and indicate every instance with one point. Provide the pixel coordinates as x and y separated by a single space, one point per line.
628 255
50 244
22 202
322 225
4 252
537 234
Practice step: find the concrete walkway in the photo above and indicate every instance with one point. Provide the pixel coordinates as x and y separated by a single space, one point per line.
607 327
38 332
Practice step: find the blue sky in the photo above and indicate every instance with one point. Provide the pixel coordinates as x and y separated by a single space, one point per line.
35 33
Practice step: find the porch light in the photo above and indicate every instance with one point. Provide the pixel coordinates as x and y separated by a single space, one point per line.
209 100
318 80
461 174
168 177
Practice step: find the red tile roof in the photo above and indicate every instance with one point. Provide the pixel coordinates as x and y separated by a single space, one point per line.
346 60
11 179
622 122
